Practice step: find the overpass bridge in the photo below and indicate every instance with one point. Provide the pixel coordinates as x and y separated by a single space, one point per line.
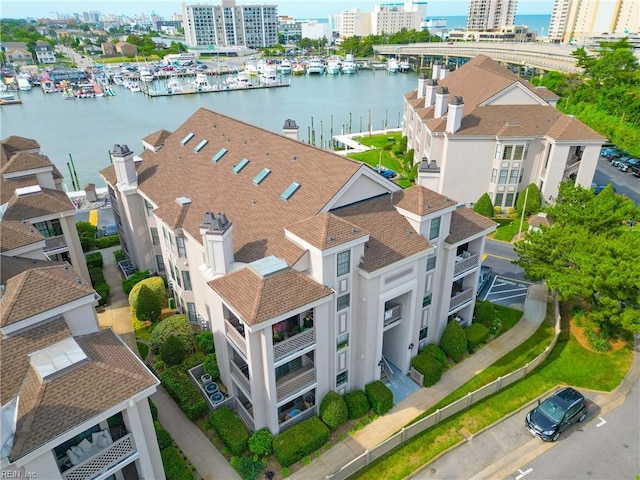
539 56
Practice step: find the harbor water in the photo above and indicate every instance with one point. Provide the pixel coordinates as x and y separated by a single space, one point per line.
88 128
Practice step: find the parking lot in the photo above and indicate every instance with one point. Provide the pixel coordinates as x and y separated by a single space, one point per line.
506 291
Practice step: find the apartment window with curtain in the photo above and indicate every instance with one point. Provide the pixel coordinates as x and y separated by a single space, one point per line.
509 200
155 239
186 279
342 378
182 253
434 228
344 261
423 333
498 202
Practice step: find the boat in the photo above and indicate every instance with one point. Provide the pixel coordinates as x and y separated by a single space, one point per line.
201 83
174 86
146 75
24 82
242 80
404 66
315 66
118 79
251 70
67 94
269 77
7 96
284 67
298 69
333 66
392 65
349 67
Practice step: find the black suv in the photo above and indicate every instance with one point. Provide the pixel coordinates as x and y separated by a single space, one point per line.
556 413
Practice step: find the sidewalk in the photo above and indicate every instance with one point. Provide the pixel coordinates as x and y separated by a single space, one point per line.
206 459
382 428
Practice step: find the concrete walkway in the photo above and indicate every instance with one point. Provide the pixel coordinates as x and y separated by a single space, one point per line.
207 460
382 428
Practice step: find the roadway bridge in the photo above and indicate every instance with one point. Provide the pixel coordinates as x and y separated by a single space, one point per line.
538 56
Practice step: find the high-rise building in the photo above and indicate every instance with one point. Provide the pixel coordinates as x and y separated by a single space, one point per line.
572 20
230 25
386 18
490 14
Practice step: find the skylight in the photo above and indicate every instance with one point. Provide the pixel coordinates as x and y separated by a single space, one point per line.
219 155
201 145
241 165
56 358
261 176
291 189
187 138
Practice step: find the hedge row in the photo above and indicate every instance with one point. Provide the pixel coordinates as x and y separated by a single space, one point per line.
429 367
175 468
155 284
454 341
176 381
130 282
333 410
379 396
299 441
106 242
357 404
94 260
476 335
231 429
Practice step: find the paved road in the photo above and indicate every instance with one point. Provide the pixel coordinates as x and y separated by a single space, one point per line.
499 256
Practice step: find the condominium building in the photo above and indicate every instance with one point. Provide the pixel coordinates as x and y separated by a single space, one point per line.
31 192
482 128
573 20
227 25
490 14
74 398
312 270
386 18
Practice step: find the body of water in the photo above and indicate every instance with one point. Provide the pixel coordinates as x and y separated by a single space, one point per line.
88 128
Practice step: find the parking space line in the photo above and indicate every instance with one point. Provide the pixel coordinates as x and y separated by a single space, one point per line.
602 422
513 290
522 474
497 297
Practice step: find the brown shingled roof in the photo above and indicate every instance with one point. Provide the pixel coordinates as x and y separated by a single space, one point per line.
14 234
40 289
421 201
112 375
158 138
173 214
15 143
466 223
39 204
257 298
326 230
12 266
392 237
25 161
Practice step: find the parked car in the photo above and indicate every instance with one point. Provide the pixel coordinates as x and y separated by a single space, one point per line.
385 172
110 229
626 163
611 152
636 170
485 274
557 413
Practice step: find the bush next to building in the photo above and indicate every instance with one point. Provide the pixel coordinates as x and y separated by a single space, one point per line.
175 467
454 341
129 283
176 381
486 314
94 260
436 352
248 467
231 429
205 341
177 325
357 404
476 334
484 206
333 410
429 367
96 275
210 366
155 284
172 351
103 290
261 442
193 360
164 439
379 396
107 241
154 410
299 441
148 305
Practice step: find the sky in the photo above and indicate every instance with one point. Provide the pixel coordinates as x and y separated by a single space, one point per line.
294 8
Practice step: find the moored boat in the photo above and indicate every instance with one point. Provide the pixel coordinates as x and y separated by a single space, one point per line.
284 67
298 69
315 67
333 67
24 83
392 65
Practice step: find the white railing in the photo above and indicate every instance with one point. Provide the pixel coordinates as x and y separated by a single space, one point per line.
295 382
460 299
465 265
239 377
571 169
103 460
244 414
235 336
294 344
392 315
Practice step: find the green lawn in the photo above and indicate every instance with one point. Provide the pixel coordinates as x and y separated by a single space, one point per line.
373 157
509 228
379 141
508 316
569 363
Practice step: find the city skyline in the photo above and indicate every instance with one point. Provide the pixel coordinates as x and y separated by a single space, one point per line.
292 8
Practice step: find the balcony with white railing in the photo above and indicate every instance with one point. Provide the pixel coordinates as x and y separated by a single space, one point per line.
571 169
295 381
460 298
392 314
295 416
235 336
294 343
465 263
241 376
103 460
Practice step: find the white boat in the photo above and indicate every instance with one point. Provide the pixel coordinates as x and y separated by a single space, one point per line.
251 70
6 96
315 67
333 67
349 67
269 77
284 67
404 66
146 75
23 83
134 87
201 83
241 80
174 86
118 79
392 65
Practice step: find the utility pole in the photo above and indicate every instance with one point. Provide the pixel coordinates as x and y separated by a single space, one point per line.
524 209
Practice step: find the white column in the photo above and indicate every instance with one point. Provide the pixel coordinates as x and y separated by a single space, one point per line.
139 422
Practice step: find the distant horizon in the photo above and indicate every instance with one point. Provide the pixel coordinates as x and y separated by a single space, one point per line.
302 9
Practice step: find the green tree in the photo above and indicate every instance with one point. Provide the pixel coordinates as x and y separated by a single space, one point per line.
586 253
533 198
484 206
173 351
148 306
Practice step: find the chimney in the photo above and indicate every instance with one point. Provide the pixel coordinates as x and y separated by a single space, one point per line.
442 97
125 168
422 85
290 129
454 118
444 72
430 92
217 238
435 73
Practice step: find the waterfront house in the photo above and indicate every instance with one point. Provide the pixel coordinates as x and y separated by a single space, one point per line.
16 54
482 128
45 53
31 192
313 271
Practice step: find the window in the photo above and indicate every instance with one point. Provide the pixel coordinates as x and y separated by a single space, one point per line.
423 333
507 152
182 253
509 200
513 176
343 302
177 276
494 173
290 190
434 228
344 263
342 341
426 300
191 311
186 278
154 236
342 378
431 263
240 165
201 145
186 139
219 155
160 262
148 207
261 176
165 234
520 152
503 176
498 202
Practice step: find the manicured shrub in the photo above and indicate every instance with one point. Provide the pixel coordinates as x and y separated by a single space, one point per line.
143 350
511 212
193 360
210 366
172 351
205 341
106 242
497 210
247 467
94 260
154 409
175 467
87 243
379 396
103 290
534 200
476 334
96 275
357 404
484 206
261 442
184 392
164 439
436 352
429 367
231 429
453 341
119 255
177 325
333 410
299 441
148 307
155 284
130 282
486 314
